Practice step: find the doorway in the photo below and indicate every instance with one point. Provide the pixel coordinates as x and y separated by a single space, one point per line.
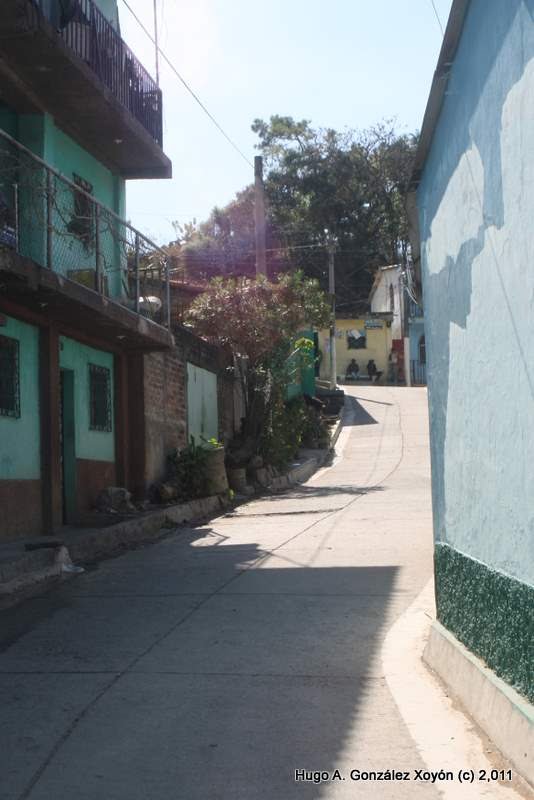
67 446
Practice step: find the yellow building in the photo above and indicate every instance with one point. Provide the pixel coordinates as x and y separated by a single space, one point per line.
358 339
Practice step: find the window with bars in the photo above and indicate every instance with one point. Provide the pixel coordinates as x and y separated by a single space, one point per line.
9 378
100 398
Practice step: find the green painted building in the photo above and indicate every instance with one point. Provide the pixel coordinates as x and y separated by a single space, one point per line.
84 295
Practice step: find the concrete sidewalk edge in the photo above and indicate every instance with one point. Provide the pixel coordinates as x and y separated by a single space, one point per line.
504 715
28 574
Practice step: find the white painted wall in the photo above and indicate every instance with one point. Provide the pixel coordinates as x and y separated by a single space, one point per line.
381 303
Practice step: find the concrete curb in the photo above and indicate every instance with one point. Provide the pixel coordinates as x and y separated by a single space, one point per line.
506 716
96 543
339 427
301 472
30 573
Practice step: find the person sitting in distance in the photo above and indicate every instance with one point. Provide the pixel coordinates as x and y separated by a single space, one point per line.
352 371
372 371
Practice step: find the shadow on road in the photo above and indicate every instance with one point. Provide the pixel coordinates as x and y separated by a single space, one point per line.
357 414
194 668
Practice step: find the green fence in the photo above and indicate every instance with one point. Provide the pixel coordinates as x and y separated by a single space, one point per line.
301 367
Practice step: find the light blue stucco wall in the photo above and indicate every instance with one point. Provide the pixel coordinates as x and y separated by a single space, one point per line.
476 207
20 449
89 444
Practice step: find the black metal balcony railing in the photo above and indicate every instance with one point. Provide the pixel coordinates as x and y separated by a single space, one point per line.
49 219
90 35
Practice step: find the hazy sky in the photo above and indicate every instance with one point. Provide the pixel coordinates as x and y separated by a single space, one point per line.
338 63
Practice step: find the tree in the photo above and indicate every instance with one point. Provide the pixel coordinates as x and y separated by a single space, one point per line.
256 322
351 184
224 245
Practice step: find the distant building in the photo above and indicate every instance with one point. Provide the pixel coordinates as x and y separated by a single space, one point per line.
474 179
416 341
387 297
360 339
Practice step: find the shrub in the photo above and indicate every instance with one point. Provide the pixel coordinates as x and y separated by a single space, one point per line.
187 470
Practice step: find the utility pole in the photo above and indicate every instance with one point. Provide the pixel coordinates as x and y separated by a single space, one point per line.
156 40
332 290
259 217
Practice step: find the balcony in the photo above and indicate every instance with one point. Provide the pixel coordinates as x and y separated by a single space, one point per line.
63 251
76 67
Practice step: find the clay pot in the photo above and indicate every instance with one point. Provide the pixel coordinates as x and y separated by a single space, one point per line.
216 472
237 478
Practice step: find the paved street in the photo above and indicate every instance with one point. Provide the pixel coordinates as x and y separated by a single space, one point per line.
216 662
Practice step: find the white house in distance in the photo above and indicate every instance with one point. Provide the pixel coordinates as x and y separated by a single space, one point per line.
387 297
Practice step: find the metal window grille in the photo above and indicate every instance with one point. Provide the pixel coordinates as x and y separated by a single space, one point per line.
100 398
9 378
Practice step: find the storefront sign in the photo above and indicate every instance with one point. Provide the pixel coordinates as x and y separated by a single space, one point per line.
373 323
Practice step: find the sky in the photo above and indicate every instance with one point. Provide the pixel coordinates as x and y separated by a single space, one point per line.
339 63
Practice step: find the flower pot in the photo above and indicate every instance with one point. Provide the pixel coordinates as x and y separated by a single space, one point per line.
216 472
237 478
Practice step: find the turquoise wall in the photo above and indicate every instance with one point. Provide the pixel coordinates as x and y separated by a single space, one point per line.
110 10
89 444
8 120
20 449
45 139
52 11
476 208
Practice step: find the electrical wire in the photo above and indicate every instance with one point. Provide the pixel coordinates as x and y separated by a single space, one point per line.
187 86
437 17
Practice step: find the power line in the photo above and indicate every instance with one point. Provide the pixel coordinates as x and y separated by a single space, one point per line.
437 17
184 82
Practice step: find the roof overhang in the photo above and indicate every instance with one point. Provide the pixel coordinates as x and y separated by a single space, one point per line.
434 105
440 82
48 295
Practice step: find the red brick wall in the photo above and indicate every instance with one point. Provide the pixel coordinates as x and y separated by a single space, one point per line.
91 478
20 509
165 410
164 402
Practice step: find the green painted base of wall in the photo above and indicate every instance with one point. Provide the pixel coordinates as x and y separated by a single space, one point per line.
490 613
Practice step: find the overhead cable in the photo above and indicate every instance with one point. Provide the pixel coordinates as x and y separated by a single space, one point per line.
187 86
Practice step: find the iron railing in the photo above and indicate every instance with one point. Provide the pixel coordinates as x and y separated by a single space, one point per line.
46 217
92 37
418 373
